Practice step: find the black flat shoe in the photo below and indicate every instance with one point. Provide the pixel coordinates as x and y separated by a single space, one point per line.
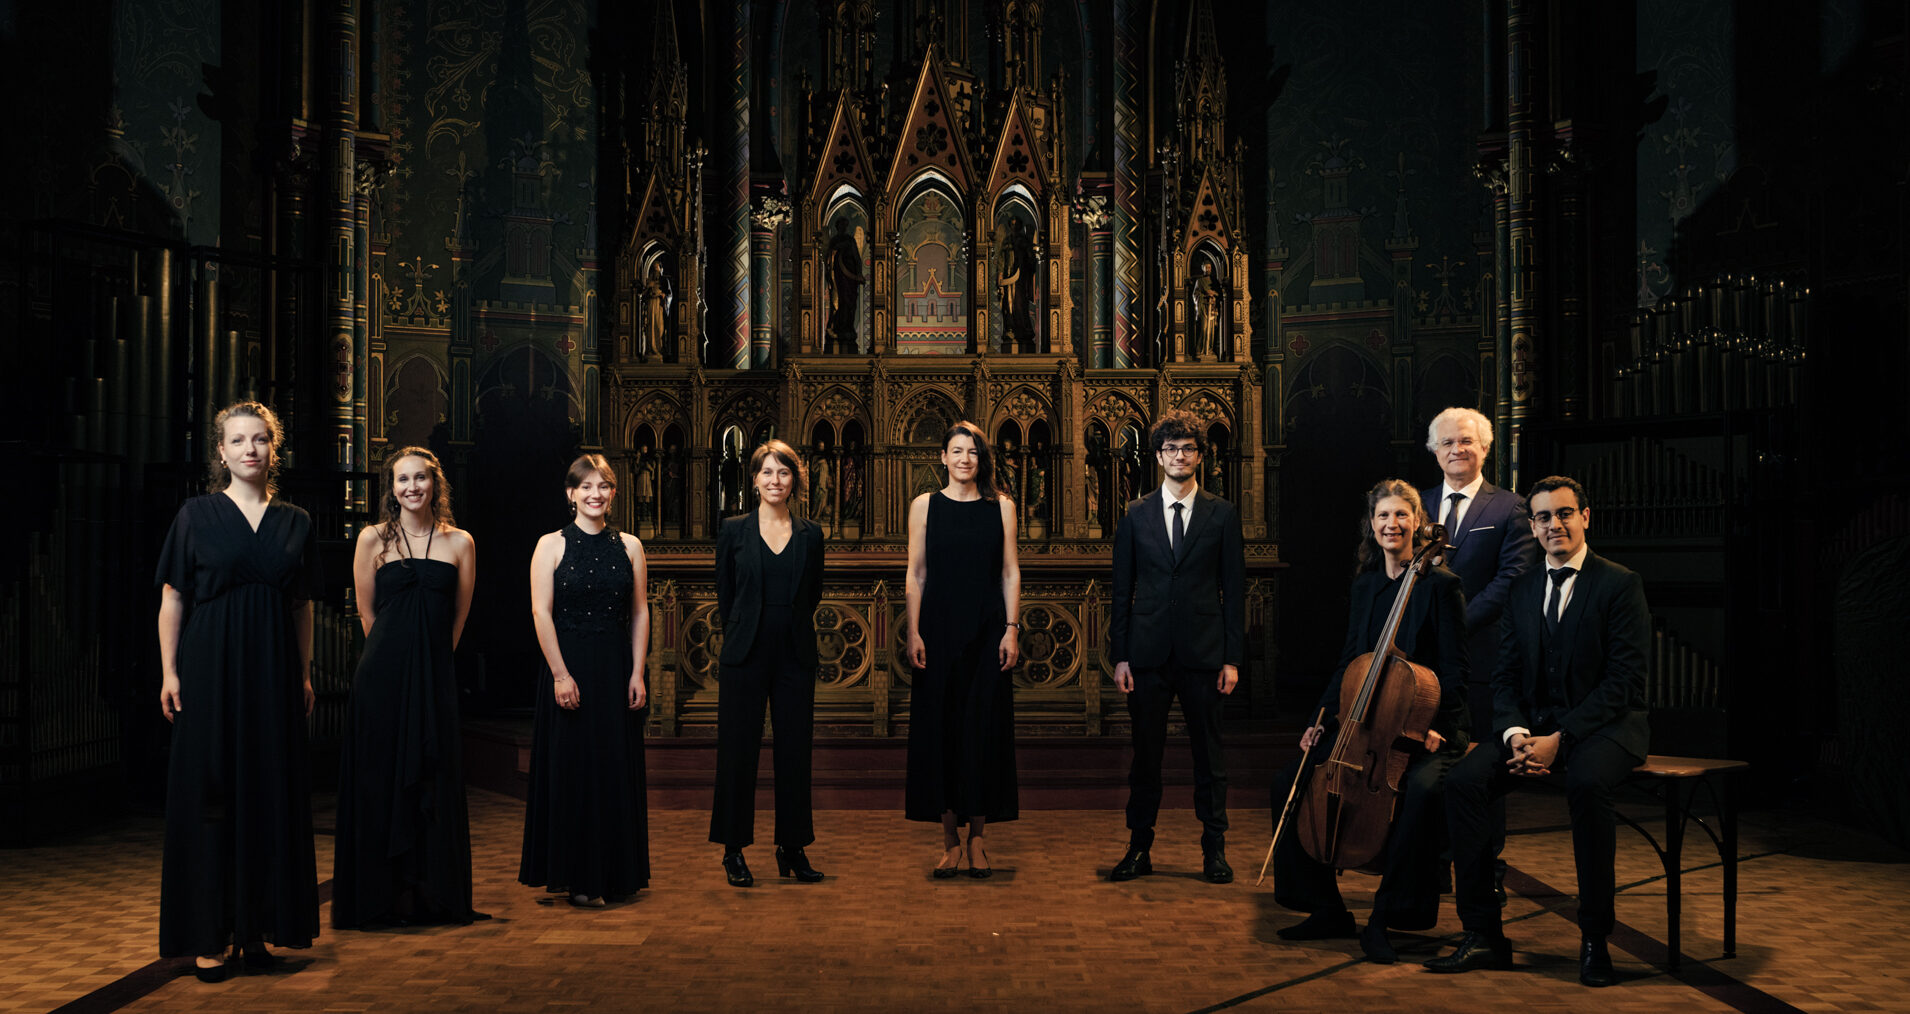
1321 926
1475 950
1595 963
216 973
1378 949
792 863
737 870
257 959
1134 864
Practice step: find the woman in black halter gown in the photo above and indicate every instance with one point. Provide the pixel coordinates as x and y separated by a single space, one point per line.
404 840
586 827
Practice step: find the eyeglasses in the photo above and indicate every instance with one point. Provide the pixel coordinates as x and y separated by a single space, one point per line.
1180 450
1563 514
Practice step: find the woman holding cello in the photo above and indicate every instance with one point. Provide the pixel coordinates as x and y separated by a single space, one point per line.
1430 633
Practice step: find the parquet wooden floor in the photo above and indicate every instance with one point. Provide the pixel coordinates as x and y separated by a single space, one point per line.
1820 929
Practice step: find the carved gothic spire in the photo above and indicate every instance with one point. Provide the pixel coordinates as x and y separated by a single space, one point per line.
848 28
666 97
1202 88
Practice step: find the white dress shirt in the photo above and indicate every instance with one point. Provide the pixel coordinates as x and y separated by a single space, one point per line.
1186 511
1446 491
1577 563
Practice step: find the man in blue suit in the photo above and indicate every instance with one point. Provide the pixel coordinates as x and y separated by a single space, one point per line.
1491 535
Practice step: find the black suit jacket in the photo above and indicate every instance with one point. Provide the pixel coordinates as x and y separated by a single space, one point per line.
1432 633
1607 635
1496 547
1191 611
739 585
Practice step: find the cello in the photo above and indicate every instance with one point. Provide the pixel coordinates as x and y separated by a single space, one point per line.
1387 705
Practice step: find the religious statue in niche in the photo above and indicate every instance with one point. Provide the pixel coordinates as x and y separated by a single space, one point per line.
1094 488
645 487
730 474
851 480
845 290
1216 480
1208 300
653 337
1009 481
822 506
1016 282
1097 462
1133 472
672 488
1037 487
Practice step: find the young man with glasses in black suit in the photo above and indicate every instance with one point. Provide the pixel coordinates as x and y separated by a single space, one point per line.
1177 629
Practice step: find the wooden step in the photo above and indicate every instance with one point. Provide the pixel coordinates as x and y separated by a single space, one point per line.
1053 772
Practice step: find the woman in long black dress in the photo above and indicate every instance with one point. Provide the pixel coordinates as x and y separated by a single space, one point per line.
768 581
586 829
964 583
235 652
1431 633
404 839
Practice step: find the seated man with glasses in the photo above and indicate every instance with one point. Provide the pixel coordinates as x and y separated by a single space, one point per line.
1568 699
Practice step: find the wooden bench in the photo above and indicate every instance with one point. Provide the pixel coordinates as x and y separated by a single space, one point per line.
1676 782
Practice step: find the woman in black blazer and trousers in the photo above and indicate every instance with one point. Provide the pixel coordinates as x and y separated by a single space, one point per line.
768 582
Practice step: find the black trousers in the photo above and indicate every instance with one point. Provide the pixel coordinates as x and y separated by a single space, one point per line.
1409 883
1148 706
1479 704
790 692
1590 770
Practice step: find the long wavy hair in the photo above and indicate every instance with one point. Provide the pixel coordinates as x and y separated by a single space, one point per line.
218 477
985 473
390 510
786 456
1369 555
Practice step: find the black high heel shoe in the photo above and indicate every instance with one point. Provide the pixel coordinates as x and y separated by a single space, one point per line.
737 870
979 870
792 863
951 863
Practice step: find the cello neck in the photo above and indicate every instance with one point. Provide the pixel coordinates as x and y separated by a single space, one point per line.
1384 650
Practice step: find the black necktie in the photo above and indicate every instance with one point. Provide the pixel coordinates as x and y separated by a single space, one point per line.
1452 520
1179 529
1559 577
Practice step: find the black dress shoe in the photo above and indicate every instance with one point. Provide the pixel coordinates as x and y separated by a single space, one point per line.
1134 864
1214 867
1321 926
1595 963
1475 950
737 870
792 863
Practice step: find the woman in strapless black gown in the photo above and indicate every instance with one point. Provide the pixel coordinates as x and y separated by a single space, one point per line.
586 828
238 571
964 584
404 841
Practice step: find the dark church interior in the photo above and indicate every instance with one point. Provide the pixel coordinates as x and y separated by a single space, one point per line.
1660 246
